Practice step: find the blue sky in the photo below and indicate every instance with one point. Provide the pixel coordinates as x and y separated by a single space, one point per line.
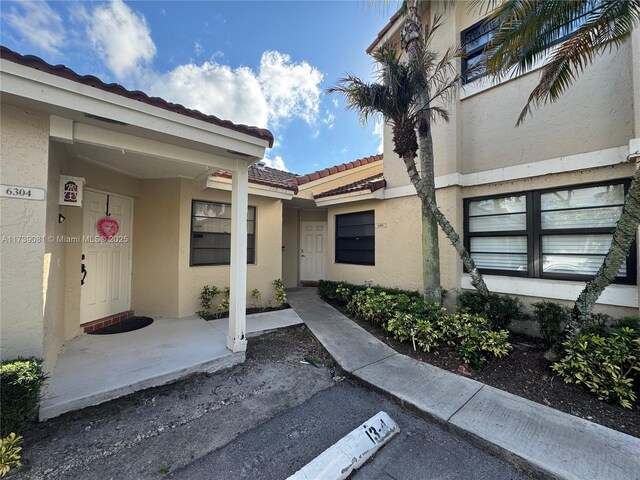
261 63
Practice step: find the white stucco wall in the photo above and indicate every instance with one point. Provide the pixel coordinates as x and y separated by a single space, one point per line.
24 150
54 264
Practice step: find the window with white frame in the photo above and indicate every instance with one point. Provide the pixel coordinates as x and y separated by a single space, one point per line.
563 233
211 233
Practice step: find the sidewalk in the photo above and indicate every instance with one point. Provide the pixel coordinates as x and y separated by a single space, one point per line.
546 441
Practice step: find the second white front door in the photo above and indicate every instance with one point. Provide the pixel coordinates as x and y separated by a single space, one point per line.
106 265
313 251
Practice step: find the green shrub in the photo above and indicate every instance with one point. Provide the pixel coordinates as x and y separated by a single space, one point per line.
20 383
551 319
10 453
627 322
499 309
598 324
207 301
342 292
606 365
281 295
473 338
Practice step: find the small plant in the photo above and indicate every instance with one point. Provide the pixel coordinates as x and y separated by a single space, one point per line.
500 310
606 365
10 453
20 384
223 306
597 324
281 295
551 319
164 469
257 298
207 298
473 338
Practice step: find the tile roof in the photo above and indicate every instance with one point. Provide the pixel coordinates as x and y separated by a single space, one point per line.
372 184
268 176
89 80
310 177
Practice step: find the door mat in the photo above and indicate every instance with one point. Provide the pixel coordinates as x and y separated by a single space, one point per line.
128 325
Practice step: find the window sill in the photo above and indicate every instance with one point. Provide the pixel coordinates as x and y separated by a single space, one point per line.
487 82
615 295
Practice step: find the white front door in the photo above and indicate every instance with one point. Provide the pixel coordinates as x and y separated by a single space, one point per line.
106 288
313 251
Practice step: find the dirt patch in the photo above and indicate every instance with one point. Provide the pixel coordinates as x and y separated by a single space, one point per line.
525 373
152 432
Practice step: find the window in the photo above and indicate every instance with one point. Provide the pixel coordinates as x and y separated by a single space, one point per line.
561 233
211 233
475 38
355 238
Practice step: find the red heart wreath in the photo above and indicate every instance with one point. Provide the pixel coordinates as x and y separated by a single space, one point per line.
108 228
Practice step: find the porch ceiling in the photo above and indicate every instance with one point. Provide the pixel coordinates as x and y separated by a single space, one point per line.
135 164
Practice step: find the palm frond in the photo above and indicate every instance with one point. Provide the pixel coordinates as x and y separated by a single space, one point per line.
607 26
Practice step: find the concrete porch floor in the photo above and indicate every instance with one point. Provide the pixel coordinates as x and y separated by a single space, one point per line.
93 369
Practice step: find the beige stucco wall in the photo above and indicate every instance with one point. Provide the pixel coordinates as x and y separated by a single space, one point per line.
398 257
268 264
24 152
55 263
595 113
307 190
291 246
154 282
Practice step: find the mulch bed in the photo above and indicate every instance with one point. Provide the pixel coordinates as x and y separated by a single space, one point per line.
249 311
526 373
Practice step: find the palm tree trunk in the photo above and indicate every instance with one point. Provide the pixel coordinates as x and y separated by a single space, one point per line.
422 189
430 246
623 237
432 290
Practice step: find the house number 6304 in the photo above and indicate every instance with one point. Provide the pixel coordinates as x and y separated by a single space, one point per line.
27 193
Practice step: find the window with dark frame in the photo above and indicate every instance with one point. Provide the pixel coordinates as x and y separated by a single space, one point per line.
475 38
211 233
355 238
562 234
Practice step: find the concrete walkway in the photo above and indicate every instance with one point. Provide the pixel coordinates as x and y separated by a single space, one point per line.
92 369
546 441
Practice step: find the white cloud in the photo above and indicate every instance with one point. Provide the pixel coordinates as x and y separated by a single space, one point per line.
291 89
378 130
198 48
280 90
276 162
328 119
39 24
231 94
335 102
343 151
121 37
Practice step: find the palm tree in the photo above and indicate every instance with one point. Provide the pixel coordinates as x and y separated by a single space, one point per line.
399 95
410 40
582 29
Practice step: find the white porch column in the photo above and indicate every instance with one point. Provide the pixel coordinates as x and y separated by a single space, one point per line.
236 339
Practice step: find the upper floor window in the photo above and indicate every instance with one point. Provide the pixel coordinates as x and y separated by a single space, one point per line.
355 238
475 38
211 233
560 233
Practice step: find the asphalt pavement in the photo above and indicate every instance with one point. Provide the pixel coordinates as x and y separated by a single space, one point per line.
282 445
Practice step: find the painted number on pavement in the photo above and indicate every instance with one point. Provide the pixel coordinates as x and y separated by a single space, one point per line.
376 431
